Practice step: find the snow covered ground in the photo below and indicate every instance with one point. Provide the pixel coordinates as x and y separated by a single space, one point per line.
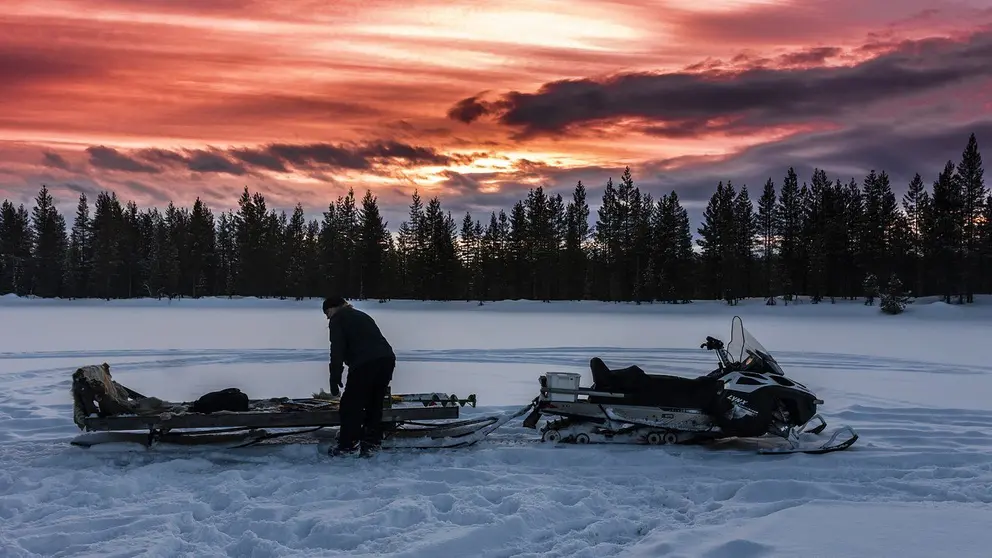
917 387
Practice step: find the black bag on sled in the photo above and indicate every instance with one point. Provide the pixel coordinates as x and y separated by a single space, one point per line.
230 399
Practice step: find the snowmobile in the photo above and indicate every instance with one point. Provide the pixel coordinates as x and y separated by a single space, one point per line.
747 396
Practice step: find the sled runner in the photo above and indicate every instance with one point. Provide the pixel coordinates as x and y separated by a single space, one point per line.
747 396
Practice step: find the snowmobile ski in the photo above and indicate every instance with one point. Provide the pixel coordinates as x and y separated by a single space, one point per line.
831 445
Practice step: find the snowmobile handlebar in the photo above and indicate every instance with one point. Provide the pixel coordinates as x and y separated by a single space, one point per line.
712 343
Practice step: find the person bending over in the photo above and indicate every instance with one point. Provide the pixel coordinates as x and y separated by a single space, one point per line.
357 342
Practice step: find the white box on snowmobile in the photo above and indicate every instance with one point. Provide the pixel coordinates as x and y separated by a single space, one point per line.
563 380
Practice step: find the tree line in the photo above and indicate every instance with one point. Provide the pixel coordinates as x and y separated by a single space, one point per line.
824 238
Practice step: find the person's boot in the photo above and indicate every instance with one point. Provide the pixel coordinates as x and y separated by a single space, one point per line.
342 451
368 449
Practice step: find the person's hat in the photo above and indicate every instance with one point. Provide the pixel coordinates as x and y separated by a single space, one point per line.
333 302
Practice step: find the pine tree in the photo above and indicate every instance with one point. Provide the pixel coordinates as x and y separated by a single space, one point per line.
557 284
944 235
295 241
493 258
853 261
836 237
672 256
790 222
518 253
894 300
226 255
49 254
768 224
412 250
469 246
16 241
249 237
541 243
314 279
644 288
80 256
802 262
819 230
915 204
608 235
442 252
330 238
628 218
132 251
107 227
985 234
900 246
346 263
970 174
870 287
745 226
879 220
151 230
373 241
201 248
683 262
719 241
575 266
390 283
175 252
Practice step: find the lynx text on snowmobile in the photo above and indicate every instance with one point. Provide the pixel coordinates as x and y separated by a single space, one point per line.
747 396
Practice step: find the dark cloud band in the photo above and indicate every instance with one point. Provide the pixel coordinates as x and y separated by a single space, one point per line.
278 157
688 102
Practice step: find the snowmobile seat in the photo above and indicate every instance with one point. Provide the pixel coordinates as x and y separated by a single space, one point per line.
661 390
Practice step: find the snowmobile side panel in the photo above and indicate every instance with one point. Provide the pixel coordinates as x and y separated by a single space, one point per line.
648 416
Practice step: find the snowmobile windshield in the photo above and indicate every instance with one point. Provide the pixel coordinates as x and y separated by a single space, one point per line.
745 348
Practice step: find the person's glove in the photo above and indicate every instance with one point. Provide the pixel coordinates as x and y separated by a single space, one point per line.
335 382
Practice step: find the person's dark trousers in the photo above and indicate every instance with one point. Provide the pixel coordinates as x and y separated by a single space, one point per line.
361 403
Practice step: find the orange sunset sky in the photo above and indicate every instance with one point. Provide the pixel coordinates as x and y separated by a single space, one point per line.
476 101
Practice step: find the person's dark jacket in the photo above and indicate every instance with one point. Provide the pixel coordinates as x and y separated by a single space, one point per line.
355 340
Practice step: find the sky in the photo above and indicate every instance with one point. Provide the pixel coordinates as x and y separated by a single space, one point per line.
477 102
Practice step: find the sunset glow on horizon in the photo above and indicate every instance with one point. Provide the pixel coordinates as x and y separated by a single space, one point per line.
167 100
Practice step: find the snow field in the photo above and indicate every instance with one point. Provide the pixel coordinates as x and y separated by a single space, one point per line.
915 386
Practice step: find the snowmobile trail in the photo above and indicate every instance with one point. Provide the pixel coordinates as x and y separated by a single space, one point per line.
508 495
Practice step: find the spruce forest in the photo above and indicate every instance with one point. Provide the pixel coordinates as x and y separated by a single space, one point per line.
815 236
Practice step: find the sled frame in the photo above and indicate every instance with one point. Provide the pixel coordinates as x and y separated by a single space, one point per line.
259 419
